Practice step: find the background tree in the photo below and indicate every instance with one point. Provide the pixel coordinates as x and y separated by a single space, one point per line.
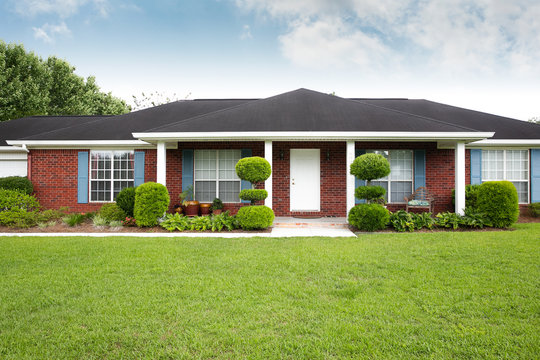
31 86
535 120
155 98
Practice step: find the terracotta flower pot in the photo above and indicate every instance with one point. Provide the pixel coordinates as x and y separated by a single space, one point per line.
205 209
217 211
192 208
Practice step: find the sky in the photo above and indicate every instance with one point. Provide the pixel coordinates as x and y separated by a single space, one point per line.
478 54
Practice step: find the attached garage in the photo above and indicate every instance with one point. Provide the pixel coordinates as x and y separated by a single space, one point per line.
13 161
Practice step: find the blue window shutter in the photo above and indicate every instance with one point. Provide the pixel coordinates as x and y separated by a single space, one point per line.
187 169
476 167
357 181
245 185
535 175
138 168
82 178
419 168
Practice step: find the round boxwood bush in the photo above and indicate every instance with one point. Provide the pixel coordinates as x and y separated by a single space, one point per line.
253 195
255 217
112 212
253 169
370 166
126 200
499 201
20 183
369 217
370 193
151 203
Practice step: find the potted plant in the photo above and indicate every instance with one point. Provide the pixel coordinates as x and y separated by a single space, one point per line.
205 209
191 206
217 206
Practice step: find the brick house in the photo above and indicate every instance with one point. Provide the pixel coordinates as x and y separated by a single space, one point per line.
309 138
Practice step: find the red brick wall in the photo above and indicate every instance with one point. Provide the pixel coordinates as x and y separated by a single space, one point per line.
333 178
54 174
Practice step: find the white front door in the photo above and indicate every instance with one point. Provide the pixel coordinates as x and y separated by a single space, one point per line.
305 185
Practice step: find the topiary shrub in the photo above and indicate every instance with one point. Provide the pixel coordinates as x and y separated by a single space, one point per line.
126 200
498 200
151 203
20 183
255 217
369 217
369 167
253 169
18 209
370 193
253 195
112 212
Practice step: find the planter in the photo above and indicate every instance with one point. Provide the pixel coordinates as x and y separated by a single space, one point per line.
178 209
192 208
205 209
217 211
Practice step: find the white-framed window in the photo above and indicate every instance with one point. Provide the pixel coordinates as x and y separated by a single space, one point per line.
215 175
110 172
511 165
400 181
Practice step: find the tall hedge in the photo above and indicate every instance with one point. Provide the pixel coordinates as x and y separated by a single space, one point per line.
499 201
126 200
20 183
151 202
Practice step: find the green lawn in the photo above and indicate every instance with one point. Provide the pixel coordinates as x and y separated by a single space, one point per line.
429 295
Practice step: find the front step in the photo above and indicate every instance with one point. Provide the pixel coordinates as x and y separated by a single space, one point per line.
325 223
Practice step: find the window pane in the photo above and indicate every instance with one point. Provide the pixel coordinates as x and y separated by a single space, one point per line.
400 189
227 164
100 191
492 165
401 165
205 164
205 191
517 165
229 190
100 165
522 190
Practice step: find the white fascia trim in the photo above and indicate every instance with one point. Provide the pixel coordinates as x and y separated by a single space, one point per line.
312 135
512 142
13 149
63 144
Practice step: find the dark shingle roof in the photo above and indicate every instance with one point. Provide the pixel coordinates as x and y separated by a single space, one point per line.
33 125
505 128
299 110
307 110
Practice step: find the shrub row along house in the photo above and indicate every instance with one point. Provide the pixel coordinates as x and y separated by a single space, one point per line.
309 138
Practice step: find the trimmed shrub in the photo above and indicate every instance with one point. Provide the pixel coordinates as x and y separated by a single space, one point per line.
253 169
498 200
369 217
370 193
126 200
217 204
151 203
253 195
20 183
370 166
471 196
255 217
534 209
112 212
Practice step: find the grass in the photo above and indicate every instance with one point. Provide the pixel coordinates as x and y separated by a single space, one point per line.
429 295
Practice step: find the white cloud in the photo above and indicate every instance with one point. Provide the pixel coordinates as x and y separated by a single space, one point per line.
48 32
61 8
466 36
246 33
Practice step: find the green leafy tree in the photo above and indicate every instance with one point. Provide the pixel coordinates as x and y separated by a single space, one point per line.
535 120
30 86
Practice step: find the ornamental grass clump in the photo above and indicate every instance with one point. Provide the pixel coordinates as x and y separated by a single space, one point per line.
370 216
255 170
151 202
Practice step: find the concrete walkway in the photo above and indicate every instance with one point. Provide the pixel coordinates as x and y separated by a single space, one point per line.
283 227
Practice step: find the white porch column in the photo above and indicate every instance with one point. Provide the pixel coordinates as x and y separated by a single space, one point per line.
350 178
460 177
161 167
268 182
